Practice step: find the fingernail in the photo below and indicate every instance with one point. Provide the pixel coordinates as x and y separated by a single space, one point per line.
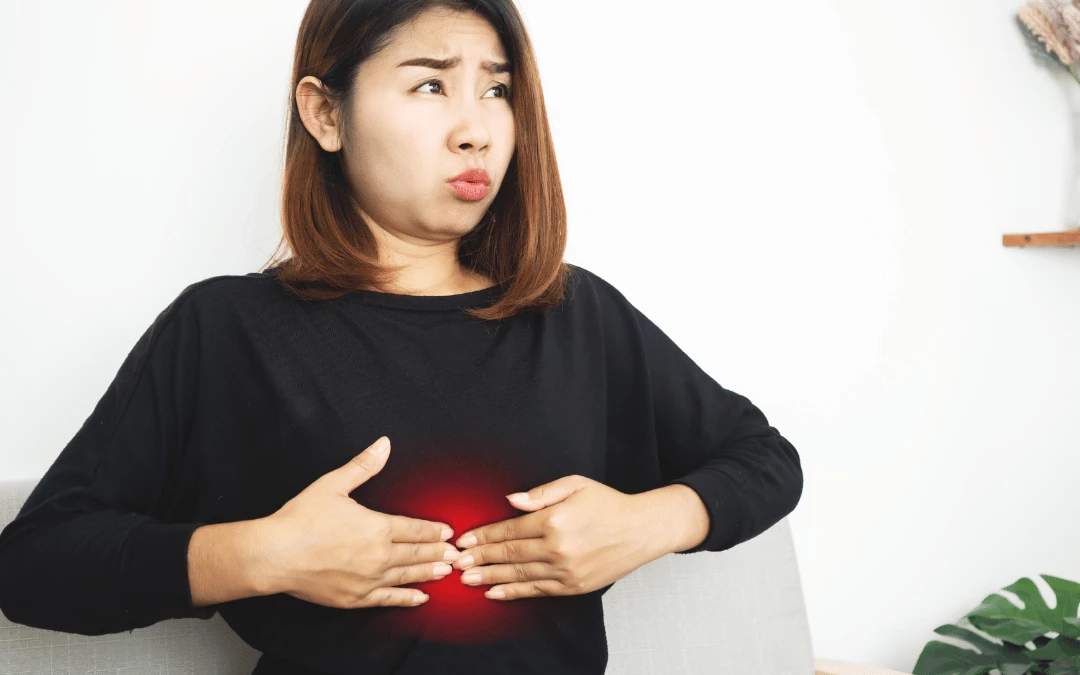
381 445
467 541
447 532
464 562
442 569
495 593
452 554
519 496
470 577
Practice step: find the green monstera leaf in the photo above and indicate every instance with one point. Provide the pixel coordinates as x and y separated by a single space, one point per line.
1036 636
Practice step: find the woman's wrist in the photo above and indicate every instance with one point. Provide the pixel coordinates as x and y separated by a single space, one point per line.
679 519
230 561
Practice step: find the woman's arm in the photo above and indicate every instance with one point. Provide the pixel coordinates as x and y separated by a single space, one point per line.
672 425
719 444
98 546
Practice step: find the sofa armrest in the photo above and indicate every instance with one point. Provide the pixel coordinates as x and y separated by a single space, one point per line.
835 667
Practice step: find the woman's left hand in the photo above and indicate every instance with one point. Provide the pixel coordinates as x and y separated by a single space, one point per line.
581 535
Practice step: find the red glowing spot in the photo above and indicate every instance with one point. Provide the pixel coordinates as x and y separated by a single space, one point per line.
464 498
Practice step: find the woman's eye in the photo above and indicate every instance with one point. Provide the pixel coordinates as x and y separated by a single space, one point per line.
505 89
433 82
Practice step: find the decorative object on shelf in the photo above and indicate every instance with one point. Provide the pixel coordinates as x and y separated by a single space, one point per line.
1056 24
1015 631
1052 32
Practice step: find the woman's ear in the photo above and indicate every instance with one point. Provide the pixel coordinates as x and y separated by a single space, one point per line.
318 113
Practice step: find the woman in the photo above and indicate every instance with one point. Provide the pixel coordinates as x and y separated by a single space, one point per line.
425 301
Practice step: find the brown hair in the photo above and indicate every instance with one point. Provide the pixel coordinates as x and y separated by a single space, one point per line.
521 239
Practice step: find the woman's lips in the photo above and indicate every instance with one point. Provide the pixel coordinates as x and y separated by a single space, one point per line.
468 190
471 184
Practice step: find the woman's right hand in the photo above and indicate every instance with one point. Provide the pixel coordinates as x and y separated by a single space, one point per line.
328 549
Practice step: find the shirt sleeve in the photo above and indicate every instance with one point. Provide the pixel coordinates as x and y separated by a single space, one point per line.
91 551
719 444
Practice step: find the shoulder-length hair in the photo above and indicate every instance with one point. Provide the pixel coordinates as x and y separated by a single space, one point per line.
521 239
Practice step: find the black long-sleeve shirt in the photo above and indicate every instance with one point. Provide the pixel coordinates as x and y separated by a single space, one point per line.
239 395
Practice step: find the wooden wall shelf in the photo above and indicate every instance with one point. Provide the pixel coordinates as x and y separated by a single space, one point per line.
1067 238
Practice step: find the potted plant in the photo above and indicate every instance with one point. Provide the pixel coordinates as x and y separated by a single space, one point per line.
1015 631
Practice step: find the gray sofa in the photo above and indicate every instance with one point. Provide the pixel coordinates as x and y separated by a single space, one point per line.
739 611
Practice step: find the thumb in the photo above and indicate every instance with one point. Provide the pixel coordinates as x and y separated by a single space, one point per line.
362 467
545 495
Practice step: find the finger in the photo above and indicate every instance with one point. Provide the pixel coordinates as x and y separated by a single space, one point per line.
411 553
414 574
543 496
514 551
360 468
405 529
392 597
510 573
526 589
529 526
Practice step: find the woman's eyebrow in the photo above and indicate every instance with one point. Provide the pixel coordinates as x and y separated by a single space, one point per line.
492 67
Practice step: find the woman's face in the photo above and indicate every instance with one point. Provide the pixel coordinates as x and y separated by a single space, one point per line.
414 127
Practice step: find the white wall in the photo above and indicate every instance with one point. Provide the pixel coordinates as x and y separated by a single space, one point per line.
823 235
